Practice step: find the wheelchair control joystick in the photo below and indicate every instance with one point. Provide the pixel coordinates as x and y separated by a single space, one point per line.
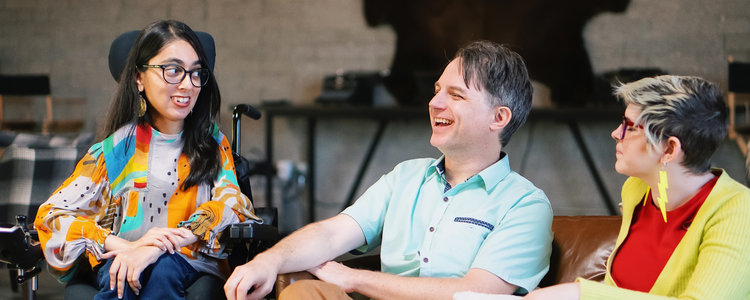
21 221
20 250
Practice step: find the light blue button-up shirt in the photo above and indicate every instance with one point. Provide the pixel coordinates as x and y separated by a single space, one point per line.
496 220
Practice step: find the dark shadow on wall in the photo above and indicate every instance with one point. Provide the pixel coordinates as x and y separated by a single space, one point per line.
547 34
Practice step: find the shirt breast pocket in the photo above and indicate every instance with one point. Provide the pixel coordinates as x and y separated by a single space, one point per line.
459 240
467 233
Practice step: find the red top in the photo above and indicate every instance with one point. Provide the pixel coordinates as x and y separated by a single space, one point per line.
650 242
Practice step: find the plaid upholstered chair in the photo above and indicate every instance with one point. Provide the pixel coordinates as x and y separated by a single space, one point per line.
31 167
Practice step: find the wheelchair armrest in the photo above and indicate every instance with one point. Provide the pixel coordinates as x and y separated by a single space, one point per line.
268 231
270 215
252 231
19 249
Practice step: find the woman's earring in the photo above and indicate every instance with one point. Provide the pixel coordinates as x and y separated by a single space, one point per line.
142 111
663 185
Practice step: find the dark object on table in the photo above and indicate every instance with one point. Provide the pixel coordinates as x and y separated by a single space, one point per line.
355 88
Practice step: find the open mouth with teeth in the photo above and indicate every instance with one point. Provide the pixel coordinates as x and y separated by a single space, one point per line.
442 122
181 100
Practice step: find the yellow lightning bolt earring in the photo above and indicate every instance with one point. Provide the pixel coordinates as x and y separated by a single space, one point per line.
663 185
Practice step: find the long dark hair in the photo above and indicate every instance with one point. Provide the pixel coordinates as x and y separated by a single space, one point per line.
198 143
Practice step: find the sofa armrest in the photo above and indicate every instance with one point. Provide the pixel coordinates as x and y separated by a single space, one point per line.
581 247
284 280
370 261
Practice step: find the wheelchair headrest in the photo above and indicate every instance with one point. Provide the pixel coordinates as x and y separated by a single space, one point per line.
118 52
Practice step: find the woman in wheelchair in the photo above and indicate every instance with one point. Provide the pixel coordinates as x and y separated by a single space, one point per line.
150 200
685 232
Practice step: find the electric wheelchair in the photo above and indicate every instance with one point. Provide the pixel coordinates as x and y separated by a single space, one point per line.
20 249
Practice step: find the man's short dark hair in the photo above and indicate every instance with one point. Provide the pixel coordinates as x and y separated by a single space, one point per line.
502 74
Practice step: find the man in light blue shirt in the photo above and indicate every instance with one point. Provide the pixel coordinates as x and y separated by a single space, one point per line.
463 222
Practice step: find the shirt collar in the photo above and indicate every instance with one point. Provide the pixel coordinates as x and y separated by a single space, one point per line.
490 176
433 168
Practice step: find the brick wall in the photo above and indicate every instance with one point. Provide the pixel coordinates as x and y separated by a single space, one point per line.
683 37
280 49
266 49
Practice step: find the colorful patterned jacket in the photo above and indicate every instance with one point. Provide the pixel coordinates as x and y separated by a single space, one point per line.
108 192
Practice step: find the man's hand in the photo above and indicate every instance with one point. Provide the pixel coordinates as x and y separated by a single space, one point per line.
304 249
565 291
259 274
336 273
166 239
128 265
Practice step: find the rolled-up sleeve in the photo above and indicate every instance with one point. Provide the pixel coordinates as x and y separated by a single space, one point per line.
228 205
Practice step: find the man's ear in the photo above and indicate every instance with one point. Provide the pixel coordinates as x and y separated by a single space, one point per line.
501 118
672 150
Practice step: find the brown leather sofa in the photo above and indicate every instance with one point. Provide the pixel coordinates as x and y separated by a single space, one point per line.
580 248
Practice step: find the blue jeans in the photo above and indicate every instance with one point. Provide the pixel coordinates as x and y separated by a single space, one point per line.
171 274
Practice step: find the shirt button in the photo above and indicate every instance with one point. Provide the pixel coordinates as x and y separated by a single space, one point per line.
426 260
432 229
445 199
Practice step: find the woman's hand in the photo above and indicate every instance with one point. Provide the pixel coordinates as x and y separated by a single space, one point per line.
166 239
129 264
565 291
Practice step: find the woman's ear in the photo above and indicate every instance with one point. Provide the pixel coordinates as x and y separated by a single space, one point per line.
139 82
501 118
672 150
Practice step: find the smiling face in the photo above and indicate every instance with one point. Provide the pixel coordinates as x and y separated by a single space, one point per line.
170 103
633 157
461 117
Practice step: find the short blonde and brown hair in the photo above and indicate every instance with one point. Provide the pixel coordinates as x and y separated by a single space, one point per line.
685 107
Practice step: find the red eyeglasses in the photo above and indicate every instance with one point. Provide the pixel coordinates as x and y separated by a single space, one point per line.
625 124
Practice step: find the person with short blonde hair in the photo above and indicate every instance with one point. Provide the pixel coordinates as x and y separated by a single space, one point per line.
686 227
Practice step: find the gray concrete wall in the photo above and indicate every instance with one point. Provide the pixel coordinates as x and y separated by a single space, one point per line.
281 49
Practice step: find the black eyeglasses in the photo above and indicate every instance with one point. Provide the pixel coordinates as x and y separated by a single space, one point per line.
174 74
624 126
